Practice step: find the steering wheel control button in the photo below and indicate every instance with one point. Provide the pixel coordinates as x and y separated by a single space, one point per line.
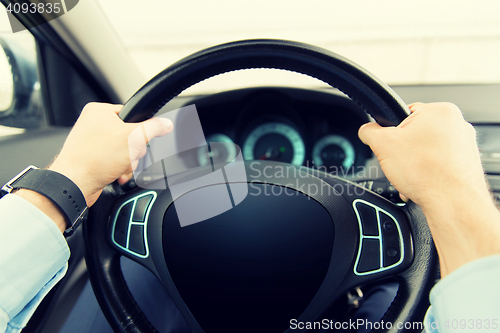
368 217
366 184
389 226
140 208
369 260
136 239
379 187
122 224
391 241
391 257
380 250
129 228
391 253
382 187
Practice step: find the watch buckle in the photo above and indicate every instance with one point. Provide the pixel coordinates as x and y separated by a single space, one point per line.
68 232
8 188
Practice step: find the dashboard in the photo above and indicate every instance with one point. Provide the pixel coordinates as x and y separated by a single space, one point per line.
302 127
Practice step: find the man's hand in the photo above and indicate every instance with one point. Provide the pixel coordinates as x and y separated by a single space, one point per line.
96 151
432 158
430 155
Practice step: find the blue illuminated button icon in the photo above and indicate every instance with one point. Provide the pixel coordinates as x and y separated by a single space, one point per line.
130 224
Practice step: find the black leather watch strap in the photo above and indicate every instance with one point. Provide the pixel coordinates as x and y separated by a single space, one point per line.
56 187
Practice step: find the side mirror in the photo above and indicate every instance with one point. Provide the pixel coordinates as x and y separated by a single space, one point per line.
20 99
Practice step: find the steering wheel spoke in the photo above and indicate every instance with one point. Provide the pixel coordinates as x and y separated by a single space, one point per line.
129 226
385 238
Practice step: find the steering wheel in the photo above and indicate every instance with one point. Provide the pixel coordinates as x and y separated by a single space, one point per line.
270 258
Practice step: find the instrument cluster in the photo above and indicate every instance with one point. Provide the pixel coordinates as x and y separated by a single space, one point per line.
301 127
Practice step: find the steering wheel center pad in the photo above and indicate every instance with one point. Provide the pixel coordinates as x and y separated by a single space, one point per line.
260 263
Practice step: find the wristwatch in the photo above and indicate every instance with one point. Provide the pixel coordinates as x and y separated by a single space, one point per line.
56 187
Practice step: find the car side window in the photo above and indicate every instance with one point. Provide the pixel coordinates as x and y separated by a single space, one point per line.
21 105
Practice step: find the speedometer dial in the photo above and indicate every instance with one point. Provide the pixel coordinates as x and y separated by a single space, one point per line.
334 151
219 153
275 142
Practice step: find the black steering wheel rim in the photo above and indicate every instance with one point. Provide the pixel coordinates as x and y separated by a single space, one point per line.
371 94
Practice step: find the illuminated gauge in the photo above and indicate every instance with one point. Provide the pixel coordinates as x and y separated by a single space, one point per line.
275 142
334 150
218 153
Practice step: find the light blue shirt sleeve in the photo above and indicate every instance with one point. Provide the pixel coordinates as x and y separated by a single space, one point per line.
467 300
33 259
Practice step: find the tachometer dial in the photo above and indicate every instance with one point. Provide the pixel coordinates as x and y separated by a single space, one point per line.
334 151
276 142
218 153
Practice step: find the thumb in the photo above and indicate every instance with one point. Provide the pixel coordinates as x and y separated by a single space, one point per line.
156 127
145 132
369 132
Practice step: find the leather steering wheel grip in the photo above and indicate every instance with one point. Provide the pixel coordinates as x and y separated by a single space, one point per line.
373 95
103 263
415 284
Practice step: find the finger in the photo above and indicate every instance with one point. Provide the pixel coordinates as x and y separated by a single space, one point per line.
415 106
116 108
134 165
142 153
405 199
130 171
368 132
124 178
128 174
146 131
156 127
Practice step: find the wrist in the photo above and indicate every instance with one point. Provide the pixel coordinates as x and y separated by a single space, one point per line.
53 193
464 228
77 176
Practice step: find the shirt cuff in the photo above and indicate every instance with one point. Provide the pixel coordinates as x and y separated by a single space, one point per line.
17 323
466 300
34 254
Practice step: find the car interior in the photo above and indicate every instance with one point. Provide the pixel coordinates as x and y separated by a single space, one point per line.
308 121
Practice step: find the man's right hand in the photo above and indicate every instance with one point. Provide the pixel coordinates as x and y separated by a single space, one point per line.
432 158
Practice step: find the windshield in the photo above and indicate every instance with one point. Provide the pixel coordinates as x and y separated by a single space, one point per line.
401 42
